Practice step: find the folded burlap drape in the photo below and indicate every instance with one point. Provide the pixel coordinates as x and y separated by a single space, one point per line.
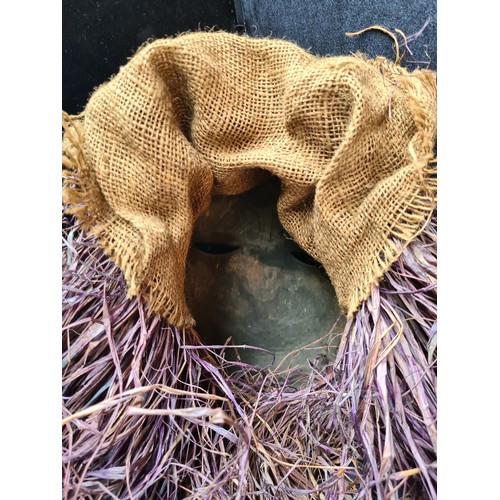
350 139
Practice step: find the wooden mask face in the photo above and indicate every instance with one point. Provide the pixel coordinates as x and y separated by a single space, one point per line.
247 280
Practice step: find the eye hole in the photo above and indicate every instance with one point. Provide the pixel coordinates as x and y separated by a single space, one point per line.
216 248
305 258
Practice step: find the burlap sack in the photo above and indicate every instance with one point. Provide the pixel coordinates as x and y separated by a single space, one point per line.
351 140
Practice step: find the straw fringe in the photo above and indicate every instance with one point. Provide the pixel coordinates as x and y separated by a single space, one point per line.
150 412
399 374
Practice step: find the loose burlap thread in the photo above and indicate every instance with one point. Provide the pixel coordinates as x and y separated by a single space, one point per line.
351 140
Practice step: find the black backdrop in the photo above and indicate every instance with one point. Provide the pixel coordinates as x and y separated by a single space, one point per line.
98 36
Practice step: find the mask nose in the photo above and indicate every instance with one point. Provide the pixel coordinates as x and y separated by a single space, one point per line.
247 280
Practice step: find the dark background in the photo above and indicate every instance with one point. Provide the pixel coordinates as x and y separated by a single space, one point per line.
99 36
320 25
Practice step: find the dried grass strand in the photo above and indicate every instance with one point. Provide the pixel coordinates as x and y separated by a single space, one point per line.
150 412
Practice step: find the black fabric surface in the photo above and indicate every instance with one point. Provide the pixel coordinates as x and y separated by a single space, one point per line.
319 25
99 36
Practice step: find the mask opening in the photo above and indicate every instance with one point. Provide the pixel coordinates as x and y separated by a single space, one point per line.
248 281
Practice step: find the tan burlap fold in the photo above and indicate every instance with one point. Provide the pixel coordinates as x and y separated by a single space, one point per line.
351 140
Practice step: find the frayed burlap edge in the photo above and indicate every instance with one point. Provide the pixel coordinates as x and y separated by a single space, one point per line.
417 213
83 198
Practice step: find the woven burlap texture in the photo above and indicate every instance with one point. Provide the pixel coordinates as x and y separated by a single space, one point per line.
351 140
